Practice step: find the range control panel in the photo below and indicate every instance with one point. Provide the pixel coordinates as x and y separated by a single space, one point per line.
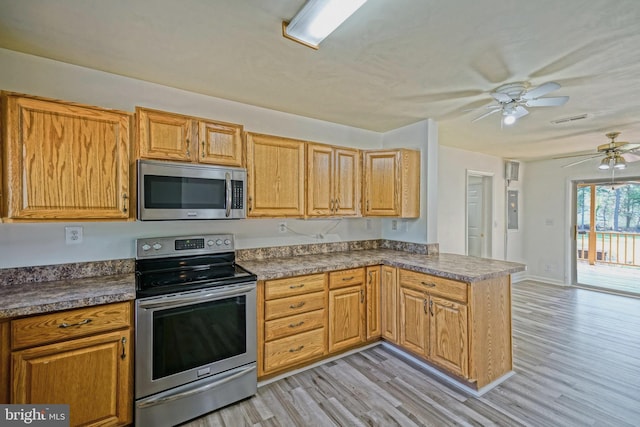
155 247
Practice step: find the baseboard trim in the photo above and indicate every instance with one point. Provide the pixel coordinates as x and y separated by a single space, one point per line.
541 279
318 363
445 377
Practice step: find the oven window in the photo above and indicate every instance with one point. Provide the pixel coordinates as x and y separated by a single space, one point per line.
170 192
199 334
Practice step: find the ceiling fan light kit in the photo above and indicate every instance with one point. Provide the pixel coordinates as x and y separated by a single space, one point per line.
512 98
614 154
317 19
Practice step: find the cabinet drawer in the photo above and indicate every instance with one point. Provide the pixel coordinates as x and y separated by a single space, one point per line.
291 286
46 328
434 285
294 349
292 325
284 307
344 278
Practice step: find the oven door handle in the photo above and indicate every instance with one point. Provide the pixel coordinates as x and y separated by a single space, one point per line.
243 371
212 295
227 179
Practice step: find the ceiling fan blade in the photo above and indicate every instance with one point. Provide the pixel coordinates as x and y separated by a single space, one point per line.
581 161
503 98
520 111
568 156
541 90
487 107
631 157
488 113
628 146
554 101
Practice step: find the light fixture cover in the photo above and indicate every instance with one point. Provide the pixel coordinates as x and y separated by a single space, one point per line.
604 164
319 18
619 162
509 120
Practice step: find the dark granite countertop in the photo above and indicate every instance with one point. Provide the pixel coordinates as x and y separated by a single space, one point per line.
451 266
33 290
44 297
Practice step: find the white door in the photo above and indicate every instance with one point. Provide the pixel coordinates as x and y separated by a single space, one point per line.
475 220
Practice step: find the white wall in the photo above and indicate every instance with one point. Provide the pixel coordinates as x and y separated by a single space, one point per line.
40 244
452 190
421 136
548 214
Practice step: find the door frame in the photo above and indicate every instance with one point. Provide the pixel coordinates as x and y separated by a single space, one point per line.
487 201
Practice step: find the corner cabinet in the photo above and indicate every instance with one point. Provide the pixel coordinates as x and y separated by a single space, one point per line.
392 183
170 136
65 161
333 181
276 176
80 357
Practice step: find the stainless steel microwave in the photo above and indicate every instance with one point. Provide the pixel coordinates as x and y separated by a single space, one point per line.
176 191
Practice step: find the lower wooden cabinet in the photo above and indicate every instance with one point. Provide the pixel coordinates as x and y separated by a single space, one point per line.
5 355
463 329
347 310
74 365
389 303
292 322
373 314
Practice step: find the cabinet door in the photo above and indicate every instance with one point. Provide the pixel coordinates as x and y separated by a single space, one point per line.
448 335
320 173
389 303
276 176
92 375
165 136
66 161
346 317
381 183
220 143
374 329
414 326
5 357
347 182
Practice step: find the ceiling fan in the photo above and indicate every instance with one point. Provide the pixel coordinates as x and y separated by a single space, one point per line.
512 98
616 154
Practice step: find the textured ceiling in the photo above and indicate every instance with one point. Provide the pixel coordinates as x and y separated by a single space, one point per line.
391 64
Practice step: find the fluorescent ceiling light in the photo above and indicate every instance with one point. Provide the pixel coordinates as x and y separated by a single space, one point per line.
319 18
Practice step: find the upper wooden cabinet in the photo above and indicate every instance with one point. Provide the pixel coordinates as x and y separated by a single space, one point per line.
333 181
275 176
64 161
392 183
170 136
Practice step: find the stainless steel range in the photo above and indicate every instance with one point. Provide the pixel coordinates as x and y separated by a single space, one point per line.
195 328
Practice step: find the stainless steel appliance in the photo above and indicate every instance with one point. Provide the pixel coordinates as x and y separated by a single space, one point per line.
175 191
195 328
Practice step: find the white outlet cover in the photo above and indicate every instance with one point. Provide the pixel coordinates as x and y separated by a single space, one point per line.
73 235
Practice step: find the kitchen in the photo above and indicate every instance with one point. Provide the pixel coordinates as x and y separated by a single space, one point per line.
25 245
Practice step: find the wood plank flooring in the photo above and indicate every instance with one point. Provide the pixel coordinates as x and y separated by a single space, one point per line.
577 363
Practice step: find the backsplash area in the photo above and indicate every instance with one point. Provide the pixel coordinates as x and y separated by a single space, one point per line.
324 248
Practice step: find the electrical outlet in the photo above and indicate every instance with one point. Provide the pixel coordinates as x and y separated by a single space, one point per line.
394 224
282 227
73 235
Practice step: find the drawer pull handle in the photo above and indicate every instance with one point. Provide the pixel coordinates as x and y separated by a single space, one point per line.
295 325
294 350
296 286
428 285
68 325
298 305
344 279
123 355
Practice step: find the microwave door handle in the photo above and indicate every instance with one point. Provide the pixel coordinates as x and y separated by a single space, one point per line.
228 194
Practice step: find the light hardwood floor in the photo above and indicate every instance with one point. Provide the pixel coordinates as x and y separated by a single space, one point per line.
577 363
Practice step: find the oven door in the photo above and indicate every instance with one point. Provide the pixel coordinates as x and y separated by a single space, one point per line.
187 336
